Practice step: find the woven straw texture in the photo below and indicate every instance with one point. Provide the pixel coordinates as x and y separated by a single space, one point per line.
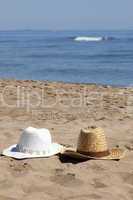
92 144
92 140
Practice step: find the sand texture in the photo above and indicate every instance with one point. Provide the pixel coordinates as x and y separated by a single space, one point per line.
64 109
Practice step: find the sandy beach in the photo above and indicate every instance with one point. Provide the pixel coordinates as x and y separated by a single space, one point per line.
64 109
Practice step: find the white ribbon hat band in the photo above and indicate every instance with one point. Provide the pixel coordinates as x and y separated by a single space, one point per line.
33 143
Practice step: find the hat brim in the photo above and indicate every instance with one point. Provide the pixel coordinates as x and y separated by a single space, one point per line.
114 154
13 152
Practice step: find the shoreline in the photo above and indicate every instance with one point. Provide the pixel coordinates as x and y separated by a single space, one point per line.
73 83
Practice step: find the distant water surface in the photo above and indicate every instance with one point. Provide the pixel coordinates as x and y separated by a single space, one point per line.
102 57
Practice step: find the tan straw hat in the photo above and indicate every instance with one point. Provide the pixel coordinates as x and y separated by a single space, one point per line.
92 144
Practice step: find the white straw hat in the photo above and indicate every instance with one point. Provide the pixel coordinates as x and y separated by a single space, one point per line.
92 144
33 143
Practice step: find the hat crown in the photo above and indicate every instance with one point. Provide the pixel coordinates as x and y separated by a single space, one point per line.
92 140
34 140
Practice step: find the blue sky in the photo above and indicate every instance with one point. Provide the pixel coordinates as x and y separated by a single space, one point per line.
66 14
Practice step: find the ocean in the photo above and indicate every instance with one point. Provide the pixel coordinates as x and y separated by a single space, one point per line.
101 57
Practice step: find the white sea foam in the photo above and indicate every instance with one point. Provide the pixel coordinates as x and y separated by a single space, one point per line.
88 39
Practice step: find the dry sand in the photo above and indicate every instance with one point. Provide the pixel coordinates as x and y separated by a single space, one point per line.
65 109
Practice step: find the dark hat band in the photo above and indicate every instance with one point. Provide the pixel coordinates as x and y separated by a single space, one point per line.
95 154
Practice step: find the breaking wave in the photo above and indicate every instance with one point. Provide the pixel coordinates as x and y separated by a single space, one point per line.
91 39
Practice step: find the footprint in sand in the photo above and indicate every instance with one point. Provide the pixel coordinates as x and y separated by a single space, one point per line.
6 198
98 184
92 196
127 177
97 167
19 168
5 183
129 147
131 193
8 135
32 188
66 179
